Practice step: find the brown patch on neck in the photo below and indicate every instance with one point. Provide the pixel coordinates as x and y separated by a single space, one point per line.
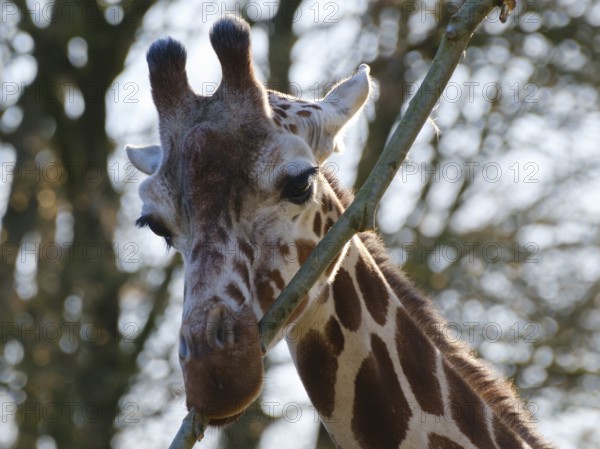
381 412
317 224
486 384
418 359
373 289
304 248
482 382
440 442
468 411
346 302
317 366
334 335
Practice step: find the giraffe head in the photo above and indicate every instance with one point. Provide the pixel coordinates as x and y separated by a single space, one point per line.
234 187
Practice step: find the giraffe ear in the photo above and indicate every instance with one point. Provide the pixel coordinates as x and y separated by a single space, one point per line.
347 98
145 159
344 101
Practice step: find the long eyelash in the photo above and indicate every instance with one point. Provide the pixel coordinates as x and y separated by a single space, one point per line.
145 221
312 171
308 174
142 222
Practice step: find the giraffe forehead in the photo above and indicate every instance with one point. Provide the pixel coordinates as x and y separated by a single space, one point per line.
208 152
217 170
251 158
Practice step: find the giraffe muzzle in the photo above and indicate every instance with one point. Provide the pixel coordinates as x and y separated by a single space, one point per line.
221 360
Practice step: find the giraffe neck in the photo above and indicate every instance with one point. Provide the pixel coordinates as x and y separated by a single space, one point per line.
381 374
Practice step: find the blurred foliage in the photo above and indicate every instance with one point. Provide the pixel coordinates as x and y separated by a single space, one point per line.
496 216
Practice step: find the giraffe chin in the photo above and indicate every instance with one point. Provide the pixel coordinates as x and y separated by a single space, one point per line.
222 414
224 403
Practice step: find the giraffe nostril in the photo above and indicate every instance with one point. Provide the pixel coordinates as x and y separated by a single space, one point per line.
219 329
185 340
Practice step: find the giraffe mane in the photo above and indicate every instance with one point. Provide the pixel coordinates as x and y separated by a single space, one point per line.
493 389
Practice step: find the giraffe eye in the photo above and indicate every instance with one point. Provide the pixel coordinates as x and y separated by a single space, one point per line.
299 188
156 227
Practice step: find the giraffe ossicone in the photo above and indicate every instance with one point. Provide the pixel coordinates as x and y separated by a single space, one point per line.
237 186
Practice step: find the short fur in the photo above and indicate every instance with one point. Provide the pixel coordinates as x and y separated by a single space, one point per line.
197 195
494 390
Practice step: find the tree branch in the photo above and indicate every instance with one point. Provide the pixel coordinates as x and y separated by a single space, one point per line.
360 215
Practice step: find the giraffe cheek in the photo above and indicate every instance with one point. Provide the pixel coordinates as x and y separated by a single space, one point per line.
222 380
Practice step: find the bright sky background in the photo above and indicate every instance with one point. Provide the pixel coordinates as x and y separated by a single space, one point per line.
550 135
543 140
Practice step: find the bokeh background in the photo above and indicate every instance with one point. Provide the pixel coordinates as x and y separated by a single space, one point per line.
496 216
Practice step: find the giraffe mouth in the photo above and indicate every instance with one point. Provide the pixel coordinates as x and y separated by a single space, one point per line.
221 422
228 406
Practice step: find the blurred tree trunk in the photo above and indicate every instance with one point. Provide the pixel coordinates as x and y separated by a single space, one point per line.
74 384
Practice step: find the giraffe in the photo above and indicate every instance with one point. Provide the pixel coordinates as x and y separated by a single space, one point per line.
237 186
